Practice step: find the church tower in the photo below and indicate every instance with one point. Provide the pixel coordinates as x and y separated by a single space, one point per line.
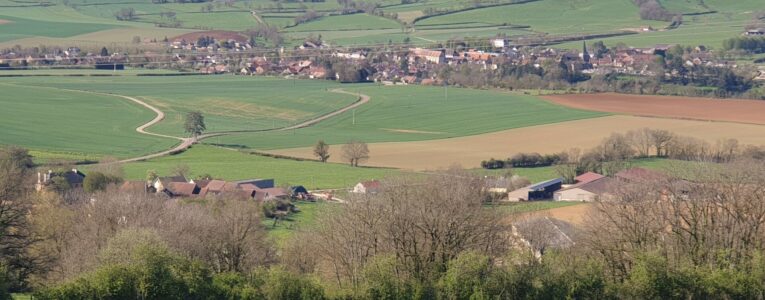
585 54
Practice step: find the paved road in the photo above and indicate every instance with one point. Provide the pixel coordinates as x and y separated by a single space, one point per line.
187 142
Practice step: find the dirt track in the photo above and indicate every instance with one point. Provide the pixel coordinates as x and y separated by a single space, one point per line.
728 110
469 151
187 142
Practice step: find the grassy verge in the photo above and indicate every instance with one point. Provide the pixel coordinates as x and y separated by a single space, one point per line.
234 165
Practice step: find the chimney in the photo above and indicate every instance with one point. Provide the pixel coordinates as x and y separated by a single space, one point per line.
39 178
75 171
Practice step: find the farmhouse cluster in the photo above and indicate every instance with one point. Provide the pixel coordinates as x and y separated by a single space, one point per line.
180 186
587 187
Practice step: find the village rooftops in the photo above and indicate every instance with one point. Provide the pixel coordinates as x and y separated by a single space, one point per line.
183 189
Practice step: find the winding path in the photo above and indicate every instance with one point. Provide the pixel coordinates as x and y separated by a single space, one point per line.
187 142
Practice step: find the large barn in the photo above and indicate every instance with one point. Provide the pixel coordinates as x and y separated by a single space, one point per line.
539 191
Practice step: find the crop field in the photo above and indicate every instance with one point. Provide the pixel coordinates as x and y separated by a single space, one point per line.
88 23
553 16
16 28
469 151
74 123
227 102
729 110
413 113
234 165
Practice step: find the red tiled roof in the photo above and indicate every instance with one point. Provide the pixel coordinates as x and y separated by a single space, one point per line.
373 184
183 189
215 186
587 177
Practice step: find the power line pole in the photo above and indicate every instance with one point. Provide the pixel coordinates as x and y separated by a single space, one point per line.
446 92
354 117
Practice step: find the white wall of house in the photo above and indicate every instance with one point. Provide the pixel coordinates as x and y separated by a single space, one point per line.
359 189
574 194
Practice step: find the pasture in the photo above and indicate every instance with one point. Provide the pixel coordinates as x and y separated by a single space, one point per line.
234 165
74 123
469 151
415 113
227 102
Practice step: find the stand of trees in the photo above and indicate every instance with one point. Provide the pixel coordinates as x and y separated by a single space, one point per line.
748 44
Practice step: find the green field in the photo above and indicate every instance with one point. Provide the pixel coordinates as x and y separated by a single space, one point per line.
281 230
423 112
74 122
553 16
21 28
227 102
705 22
233 165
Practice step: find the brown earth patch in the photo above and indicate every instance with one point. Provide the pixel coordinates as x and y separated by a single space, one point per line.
574 214
4 21
743 111
220 35
469 151
411 131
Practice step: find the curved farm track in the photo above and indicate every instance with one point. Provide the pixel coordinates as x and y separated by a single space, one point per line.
187 142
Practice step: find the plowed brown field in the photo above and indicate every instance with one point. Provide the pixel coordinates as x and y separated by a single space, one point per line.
584 134
742 111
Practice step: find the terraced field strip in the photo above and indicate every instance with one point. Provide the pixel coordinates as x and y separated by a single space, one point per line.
469 151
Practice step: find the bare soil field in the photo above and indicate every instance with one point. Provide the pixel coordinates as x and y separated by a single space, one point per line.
584 134
575 214
743 111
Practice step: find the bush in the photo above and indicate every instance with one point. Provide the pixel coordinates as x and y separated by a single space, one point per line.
97 181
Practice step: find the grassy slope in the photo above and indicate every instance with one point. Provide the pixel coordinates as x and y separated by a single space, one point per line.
21 28
347 22
51 119
234 165
554 16
709 29
228 102
420 108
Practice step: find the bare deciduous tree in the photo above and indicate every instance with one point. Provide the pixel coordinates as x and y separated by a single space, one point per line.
424 224
321 150
355 152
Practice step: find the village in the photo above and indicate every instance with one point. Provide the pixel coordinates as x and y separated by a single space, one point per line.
395 64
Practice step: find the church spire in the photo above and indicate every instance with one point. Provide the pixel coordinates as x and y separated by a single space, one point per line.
585 54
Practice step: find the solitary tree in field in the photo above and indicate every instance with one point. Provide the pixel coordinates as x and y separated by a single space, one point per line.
321 150
195 124
355 152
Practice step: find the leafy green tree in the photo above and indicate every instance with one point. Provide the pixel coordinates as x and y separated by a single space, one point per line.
383 281
97 181
281 284
466 277
195 124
